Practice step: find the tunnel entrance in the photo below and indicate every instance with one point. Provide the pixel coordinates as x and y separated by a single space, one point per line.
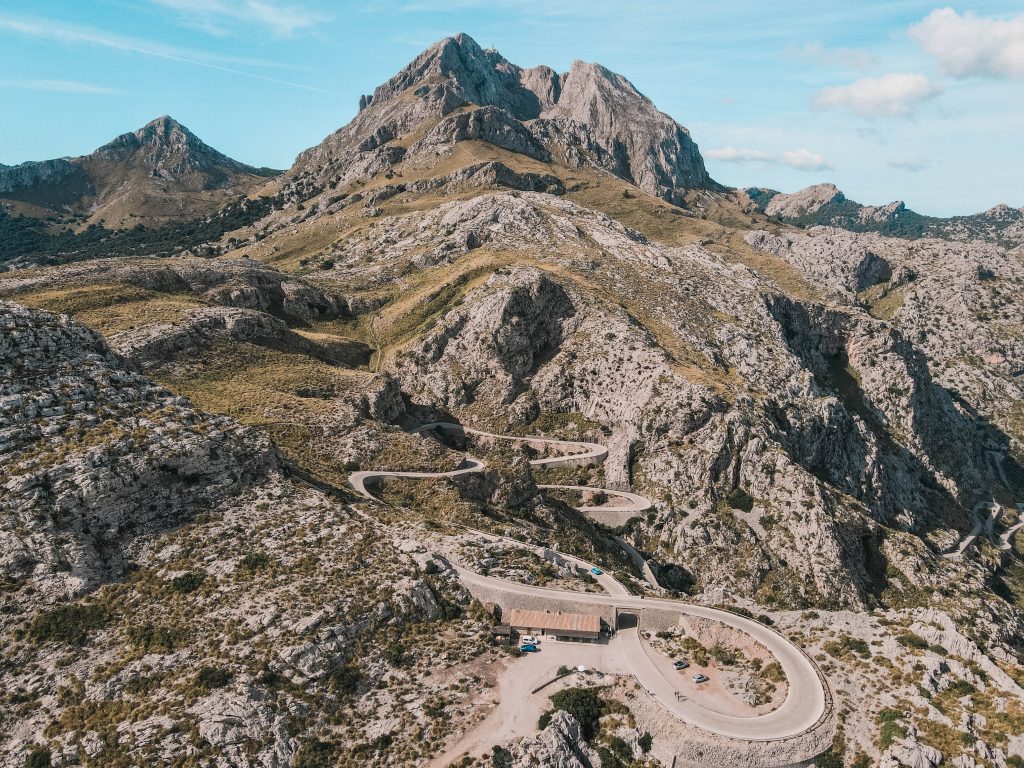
626 620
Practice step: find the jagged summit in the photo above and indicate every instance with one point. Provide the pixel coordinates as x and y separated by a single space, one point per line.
160 171
593 114
170 149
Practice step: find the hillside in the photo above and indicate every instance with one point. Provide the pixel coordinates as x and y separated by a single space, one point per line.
490 272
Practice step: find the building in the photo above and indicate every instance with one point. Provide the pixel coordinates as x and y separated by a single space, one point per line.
579 627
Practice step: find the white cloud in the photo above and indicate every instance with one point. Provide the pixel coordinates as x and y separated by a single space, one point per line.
59 32
894 95
910 164
850 58
63 86
738 155
216 16
973 45
800 159
805 160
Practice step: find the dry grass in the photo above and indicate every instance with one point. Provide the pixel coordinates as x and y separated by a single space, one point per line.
112 307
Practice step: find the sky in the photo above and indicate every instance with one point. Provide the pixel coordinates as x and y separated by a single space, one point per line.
900 99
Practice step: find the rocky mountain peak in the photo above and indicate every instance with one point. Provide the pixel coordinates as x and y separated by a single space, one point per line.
594 114
169 148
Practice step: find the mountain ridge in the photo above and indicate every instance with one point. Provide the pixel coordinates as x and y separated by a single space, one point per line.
159 172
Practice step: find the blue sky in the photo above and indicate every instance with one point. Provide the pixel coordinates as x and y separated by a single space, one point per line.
901 99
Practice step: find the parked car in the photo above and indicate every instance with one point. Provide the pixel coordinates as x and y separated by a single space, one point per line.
528 640
596 571
699 678
681 664
528 648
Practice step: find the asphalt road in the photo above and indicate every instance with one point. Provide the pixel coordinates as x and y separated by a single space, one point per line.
805 702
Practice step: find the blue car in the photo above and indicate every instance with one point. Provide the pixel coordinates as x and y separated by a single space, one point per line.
596 571
528 648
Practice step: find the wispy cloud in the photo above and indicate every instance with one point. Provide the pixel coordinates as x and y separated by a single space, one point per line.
800 159
221 17
894 95
62 86
969 44
909 164
60 32
846 58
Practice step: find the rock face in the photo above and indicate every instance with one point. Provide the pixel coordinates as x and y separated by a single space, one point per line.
804 202
94 454
588 113
160 172
559 745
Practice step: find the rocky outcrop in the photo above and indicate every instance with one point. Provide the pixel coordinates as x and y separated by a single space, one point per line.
559 745
517 325
804 202
161 343
94 455
491 124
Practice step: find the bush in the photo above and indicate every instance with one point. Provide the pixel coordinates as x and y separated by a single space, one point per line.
344 677
152 639
212 677
254 561
544 720
891 729
69 624
316 754
187 582
910 640
394 654
740 499
828 760
582 703
645 742
39 757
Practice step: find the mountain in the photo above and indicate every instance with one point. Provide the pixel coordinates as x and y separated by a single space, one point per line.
500 343
158 173
590 115
826 205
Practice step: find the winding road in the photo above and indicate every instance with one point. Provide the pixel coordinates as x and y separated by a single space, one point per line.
987 523
807 703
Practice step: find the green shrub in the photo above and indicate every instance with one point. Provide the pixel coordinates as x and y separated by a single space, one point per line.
828 760
544 720
38 757
212 677
645 742
891 729
910 640
153 639
394 654
187 582
582 703
69 624
344 677
740 499
254 561
316 754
